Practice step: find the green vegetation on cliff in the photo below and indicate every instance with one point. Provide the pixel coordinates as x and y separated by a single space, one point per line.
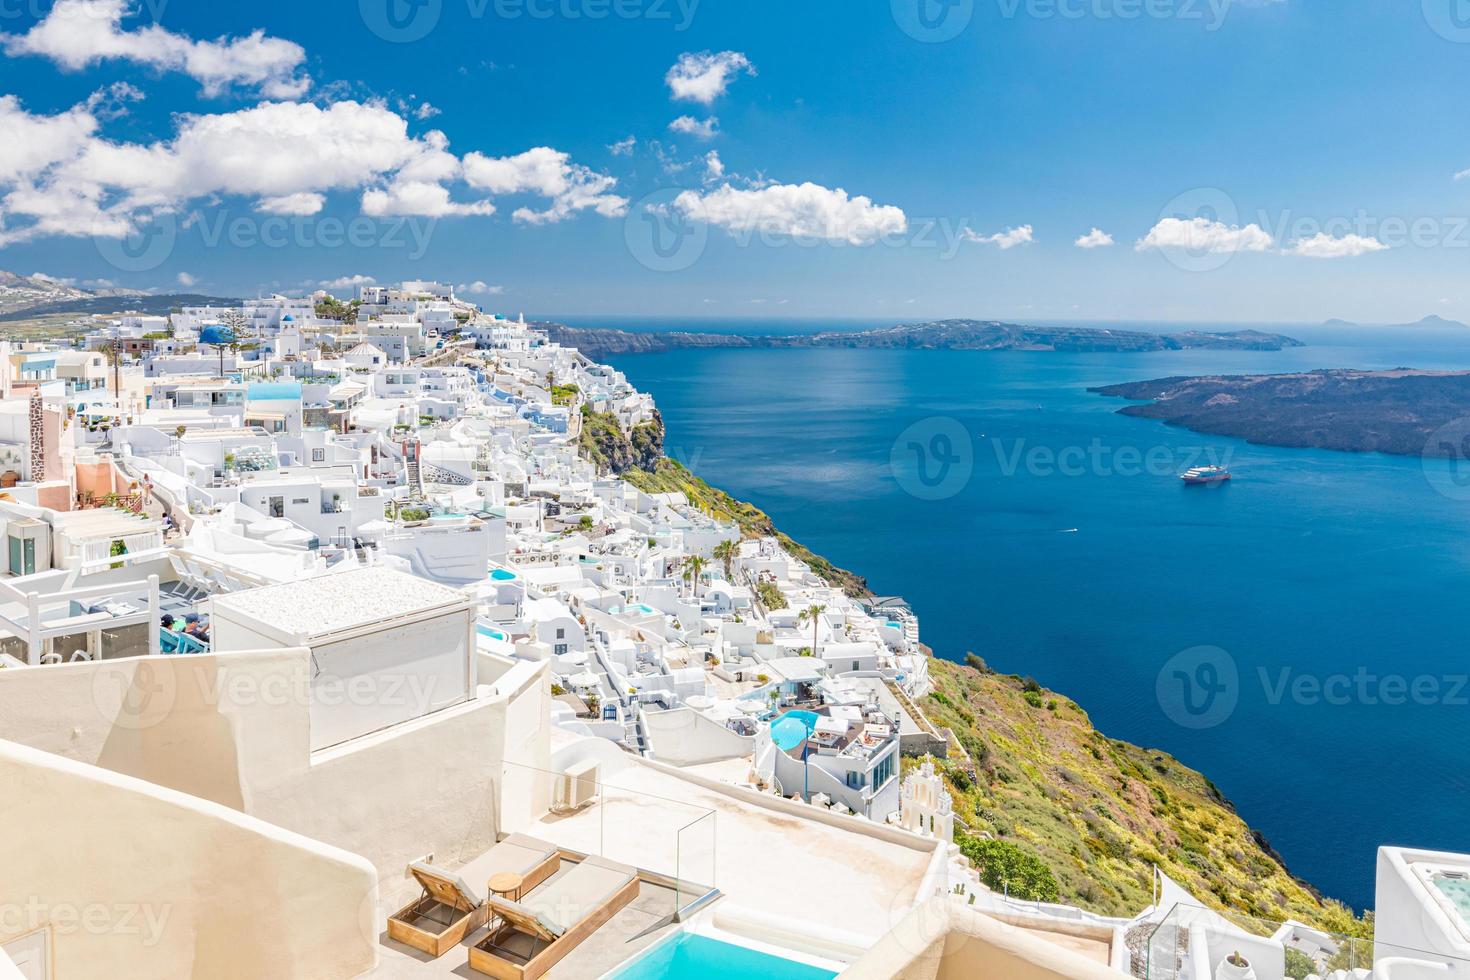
1099 813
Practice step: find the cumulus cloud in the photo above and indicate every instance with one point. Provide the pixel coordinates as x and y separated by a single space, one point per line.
704 77
623 147
551 174
60 177
1003 240
347 282
77 33
799 210
1324 246
714 167
187 281
1204 235
479 288
1096 238
698 128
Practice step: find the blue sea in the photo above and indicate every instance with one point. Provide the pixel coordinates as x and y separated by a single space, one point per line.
1298 634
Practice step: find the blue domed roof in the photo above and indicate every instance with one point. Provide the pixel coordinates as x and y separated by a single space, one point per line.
288 318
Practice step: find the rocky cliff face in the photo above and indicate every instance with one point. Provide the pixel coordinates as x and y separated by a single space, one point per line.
605 443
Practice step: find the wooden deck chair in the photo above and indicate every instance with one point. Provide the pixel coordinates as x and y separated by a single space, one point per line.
534 934
452 905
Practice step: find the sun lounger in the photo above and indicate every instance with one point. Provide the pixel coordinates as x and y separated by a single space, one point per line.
533 934
453 903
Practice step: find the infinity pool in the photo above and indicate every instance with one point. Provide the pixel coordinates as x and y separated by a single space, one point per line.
691 956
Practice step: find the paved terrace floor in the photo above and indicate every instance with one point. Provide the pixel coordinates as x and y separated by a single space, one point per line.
759 858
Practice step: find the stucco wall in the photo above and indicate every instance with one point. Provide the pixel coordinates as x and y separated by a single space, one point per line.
234 729
684 737
144 882
944 940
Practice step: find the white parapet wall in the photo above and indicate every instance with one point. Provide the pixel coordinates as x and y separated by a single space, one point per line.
132 880
235 729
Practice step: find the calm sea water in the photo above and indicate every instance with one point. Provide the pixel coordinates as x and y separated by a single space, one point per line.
1062 545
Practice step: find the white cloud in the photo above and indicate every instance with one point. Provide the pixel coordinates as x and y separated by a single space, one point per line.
1324 246
418 198
703 129
800 210
59 177
623 147
1096 238
301 204
347 282
479 288
714 167
1463 175
1204 235
426 111
54 280
187 281
1007 239
77 33
703 77
551 174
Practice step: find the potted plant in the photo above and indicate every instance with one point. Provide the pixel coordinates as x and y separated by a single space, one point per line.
1235 967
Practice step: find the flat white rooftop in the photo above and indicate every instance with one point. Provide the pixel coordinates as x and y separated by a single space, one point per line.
343 601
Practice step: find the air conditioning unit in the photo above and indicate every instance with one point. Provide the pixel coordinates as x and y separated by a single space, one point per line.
576 787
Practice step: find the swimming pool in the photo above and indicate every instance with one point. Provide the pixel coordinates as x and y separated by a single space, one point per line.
793 728
501 575
690 956
494 634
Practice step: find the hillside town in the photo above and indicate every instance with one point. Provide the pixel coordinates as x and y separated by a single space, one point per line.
337 640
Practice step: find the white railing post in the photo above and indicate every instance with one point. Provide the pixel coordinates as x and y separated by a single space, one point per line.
154 617
33 628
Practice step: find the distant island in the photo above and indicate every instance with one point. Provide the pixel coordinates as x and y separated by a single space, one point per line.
1355 411
597 342
1430 322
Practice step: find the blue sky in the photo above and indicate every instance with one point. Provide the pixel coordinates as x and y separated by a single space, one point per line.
1261 160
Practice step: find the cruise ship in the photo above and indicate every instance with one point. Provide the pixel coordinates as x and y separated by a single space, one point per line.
1205 474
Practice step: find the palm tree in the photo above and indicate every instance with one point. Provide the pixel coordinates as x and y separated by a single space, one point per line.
814 613
694 567
726 551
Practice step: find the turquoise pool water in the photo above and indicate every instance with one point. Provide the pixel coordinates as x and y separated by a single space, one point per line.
692 956
793 728
501 575
1457 890
492 633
